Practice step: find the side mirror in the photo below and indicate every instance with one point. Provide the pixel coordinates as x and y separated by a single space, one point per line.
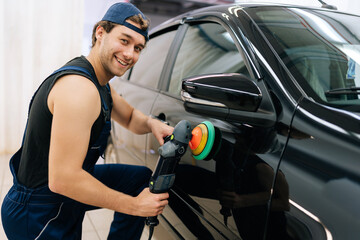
233 91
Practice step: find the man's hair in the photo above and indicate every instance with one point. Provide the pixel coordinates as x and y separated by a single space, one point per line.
108 26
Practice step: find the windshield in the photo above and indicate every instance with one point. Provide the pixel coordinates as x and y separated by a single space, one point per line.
320 48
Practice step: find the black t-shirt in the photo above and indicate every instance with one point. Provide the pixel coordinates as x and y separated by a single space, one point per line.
33 168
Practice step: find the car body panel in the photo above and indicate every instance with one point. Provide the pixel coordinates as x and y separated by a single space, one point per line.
123 139
314 162
287 169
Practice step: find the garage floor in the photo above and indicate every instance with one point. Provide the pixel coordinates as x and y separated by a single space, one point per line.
96 224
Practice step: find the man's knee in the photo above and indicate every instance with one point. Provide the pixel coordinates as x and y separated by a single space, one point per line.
146 171
144 174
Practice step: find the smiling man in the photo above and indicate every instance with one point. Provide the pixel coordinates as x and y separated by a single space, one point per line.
55 177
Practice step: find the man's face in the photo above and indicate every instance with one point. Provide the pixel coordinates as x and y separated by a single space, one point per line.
120 49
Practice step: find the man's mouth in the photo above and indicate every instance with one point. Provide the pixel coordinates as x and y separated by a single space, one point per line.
125 64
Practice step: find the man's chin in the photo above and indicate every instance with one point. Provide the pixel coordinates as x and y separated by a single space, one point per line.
120 73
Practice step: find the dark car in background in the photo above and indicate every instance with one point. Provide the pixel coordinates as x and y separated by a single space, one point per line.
282 84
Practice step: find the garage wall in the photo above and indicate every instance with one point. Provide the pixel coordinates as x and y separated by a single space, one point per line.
38 36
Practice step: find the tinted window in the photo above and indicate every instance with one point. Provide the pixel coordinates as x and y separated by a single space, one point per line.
206 48
147 70
320 48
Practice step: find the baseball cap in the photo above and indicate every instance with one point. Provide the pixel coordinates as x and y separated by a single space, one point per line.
119 12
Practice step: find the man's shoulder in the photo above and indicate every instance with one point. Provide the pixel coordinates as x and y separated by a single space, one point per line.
74 84
75 93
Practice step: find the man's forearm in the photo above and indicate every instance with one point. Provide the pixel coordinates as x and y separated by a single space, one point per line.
84 188
140 123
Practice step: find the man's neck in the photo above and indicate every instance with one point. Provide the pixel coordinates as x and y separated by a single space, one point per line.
100 72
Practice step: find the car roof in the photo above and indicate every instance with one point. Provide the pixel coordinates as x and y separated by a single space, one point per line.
223 8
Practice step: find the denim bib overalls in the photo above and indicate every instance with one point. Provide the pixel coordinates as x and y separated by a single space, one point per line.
38 213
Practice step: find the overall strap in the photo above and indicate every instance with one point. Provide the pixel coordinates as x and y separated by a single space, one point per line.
75 68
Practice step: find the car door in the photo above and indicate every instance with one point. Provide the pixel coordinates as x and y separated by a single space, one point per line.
208 48
319 168
321 159
140 89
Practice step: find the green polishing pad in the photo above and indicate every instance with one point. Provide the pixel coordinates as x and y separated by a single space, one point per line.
216 146
209 143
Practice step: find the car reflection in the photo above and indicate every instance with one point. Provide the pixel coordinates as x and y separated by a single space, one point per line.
242 183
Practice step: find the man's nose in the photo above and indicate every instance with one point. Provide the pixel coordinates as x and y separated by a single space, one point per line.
128 53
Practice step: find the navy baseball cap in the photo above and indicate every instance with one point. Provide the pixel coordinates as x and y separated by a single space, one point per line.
119 12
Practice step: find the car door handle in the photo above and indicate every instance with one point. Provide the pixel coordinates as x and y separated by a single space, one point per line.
161 117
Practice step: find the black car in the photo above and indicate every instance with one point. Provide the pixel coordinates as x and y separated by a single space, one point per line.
282 84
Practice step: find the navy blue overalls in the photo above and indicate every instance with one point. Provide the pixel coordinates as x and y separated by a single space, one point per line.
41 214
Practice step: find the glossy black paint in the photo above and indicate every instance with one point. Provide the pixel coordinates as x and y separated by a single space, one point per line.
288 166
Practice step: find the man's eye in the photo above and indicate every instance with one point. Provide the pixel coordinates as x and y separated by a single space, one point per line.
138 49
124 41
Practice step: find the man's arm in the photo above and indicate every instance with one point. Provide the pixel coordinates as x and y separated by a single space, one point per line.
75 104
136 121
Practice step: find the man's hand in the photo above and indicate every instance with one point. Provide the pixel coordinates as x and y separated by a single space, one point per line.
148 204
159 129
230 199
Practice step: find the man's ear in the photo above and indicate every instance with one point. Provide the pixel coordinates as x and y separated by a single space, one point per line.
99 33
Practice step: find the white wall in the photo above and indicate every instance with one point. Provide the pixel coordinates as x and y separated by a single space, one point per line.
94 10
38 36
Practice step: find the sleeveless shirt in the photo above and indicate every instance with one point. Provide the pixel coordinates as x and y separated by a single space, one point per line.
33 168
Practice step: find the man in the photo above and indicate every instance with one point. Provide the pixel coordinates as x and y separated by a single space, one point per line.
55 176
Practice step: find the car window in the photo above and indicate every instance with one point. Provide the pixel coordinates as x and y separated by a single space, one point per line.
207 48
147 70
320 48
